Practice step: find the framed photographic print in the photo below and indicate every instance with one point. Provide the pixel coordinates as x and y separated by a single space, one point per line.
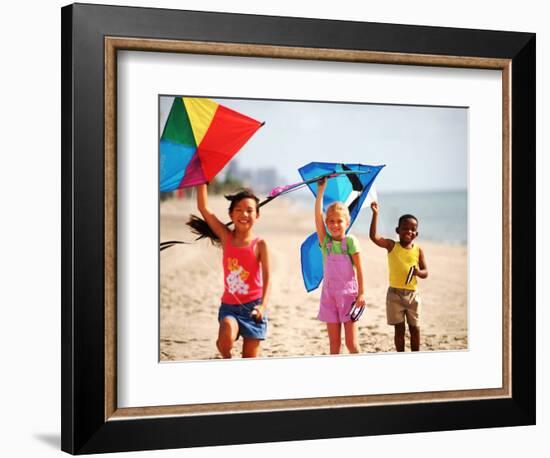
419 136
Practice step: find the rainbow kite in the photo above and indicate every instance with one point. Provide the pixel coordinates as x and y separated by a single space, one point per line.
200 136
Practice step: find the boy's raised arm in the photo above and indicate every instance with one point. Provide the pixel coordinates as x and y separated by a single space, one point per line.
378 240
319 223
213 222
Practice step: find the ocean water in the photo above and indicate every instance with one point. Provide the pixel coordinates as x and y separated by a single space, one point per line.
442 215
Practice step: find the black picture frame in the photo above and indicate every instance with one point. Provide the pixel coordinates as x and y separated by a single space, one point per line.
86 426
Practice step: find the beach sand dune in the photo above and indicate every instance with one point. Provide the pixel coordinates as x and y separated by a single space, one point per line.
191 285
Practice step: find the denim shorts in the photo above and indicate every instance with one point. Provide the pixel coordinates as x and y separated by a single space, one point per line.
248 328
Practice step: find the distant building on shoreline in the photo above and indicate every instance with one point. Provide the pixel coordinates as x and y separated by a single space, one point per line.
261 180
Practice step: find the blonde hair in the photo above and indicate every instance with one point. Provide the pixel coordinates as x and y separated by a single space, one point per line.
339 208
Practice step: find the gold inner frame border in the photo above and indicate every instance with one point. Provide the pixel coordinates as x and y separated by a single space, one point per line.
114 44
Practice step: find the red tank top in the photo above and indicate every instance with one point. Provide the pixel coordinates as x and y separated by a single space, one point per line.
241 272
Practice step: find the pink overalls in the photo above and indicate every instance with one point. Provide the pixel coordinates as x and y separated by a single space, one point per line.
339 286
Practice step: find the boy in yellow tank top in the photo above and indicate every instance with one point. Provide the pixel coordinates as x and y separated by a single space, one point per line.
406 262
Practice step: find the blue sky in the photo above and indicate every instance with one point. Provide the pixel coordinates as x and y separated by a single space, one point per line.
424 148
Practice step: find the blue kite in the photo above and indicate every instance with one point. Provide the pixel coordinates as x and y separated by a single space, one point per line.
348 183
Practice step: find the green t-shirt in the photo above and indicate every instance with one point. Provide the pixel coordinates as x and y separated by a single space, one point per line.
352 245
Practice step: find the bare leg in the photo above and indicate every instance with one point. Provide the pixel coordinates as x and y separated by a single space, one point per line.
334 337
227 334
351 332
399 337
251 347
415 337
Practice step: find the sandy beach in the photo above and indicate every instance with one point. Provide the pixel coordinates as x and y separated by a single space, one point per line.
191 285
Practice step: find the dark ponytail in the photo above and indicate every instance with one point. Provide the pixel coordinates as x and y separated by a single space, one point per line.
201 228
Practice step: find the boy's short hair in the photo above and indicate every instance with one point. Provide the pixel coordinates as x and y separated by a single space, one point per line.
338 207
406 216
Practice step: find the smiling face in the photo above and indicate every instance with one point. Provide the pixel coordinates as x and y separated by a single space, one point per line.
244 214
407 230
337 222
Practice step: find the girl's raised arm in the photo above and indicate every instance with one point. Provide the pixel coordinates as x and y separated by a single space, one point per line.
319 223
213 222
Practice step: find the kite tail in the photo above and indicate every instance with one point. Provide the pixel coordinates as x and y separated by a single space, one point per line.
201 228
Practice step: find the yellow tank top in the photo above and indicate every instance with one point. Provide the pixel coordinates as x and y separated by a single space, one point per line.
400 261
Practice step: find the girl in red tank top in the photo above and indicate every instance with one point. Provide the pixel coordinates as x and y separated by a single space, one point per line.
241 271
243 311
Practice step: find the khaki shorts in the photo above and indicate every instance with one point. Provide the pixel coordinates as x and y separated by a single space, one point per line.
401 304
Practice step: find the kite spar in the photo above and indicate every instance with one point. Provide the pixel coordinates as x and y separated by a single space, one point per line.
351 183
276 192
